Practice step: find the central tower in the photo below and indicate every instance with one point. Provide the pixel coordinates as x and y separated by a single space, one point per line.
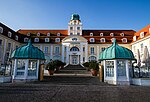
75 25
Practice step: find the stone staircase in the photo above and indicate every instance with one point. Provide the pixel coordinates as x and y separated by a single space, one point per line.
74 67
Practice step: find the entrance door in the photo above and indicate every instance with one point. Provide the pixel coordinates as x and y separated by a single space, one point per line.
74 59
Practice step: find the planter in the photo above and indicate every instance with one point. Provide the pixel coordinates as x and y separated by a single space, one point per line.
94 72
51 72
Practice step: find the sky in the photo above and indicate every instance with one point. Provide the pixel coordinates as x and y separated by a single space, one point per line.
94 14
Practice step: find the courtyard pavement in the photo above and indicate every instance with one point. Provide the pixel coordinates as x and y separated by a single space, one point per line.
72 89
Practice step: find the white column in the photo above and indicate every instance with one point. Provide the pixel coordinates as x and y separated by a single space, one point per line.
37 70
115 71
127 70
104 70
97 53
63 53
51 52
81 53
67 55
15 68
26 68
86 52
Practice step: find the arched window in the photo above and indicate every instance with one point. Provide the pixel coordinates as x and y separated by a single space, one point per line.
92 58
74 49
74 39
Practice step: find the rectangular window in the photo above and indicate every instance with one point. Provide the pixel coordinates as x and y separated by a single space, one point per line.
83 49
78 28
9 46
78 33
103 48
0 42
46 50
92 50
32 68
71 33
57 40
109 68
71 28
36 39
57 51
83 59
65 49
64 59
142 47
121 68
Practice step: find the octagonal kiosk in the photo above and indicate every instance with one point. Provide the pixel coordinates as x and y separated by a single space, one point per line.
117 62
26 62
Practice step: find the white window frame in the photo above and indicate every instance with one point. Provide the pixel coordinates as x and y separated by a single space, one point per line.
74 39
58 50
38 34
28 34
46 39
111 34
124 40
102 40
26 39
101 34
16 37
92 50
48 34
36 39
9 34
112 39
141 34
78 33
71 28
92 40
57 39
1 30
91 34
122 34
58 34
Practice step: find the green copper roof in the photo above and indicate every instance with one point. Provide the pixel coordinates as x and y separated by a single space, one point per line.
75 17
27 52
116 52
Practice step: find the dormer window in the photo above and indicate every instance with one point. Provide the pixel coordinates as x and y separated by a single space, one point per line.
92 40
112 39
58 34
111 34
36 39
1 30
16 37
25 39
74 39
121 34
141 34
28 34
91 34
9 34
46 39
38 34
124 40
101 34
48 34
102 40
57 39
134 38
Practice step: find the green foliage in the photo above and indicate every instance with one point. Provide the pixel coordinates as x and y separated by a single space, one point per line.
86 64
94 65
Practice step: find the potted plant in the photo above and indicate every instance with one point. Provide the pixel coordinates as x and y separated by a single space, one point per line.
51 66
93 65
59 65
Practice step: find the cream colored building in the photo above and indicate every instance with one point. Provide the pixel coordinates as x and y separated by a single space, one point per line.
73 46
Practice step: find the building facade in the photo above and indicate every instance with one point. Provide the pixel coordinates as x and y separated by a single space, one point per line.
74 45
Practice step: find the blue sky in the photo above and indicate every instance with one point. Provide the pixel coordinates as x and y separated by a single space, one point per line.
94 14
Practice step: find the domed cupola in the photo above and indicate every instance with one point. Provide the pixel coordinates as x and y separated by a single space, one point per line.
27 52
75 17
116 52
